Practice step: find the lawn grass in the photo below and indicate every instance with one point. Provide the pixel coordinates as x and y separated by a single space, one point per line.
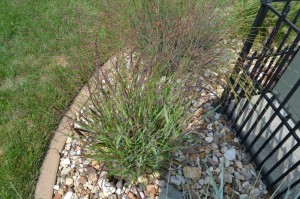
46 55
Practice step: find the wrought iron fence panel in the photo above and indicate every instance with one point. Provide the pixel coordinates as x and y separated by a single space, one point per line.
265 113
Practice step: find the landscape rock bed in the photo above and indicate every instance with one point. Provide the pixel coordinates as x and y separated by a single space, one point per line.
209 147
212 144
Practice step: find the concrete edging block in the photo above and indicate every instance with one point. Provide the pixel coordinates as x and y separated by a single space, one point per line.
47 178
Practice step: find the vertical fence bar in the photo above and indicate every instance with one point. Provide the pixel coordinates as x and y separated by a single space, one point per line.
273 34
286 189
278 145
261 68
285 174
242 92
280 47
274 133
263 54
282 104
266 89
264 110
270 70
261 15
281 160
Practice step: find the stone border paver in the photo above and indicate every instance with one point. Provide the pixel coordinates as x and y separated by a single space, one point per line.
47 178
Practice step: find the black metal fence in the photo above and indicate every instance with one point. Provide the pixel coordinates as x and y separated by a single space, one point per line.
265 123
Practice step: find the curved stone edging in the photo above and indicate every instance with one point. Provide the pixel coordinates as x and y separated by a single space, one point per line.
46 181
47 178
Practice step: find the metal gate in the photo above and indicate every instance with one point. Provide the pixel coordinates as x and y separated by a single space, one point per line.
262 96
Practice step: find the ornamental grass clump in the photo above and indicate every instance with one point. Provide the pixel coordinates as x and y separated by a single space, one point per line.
138 105
135 118
187 34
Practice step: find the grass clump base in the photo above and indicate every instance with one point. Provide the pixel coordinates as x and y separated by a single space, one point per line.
138 106
136 117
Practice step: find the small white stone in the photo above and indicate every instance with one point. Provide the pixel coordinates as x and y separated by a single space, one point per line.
244 196
209 139
238 176
230 170
224 149
209 126
175 180
214 145
75 176
247 175
87 162
67 147
227 163
119 184
118 191
198 186
230 154
245 184
217 116
69 140
56 187
223 131
228 178
210 134
69 181
66 161
239 164
72 152
201 182
69 195
215 158
106 187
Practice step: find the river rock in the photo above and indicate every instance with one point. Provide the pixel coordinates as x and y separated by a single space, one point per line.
161 183
175 180
192 172
69 195
209 139
230 154
170 192
106 187
254 193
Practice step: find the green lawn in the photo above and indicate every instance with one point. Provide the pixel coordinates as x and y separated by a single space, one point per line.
46 55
